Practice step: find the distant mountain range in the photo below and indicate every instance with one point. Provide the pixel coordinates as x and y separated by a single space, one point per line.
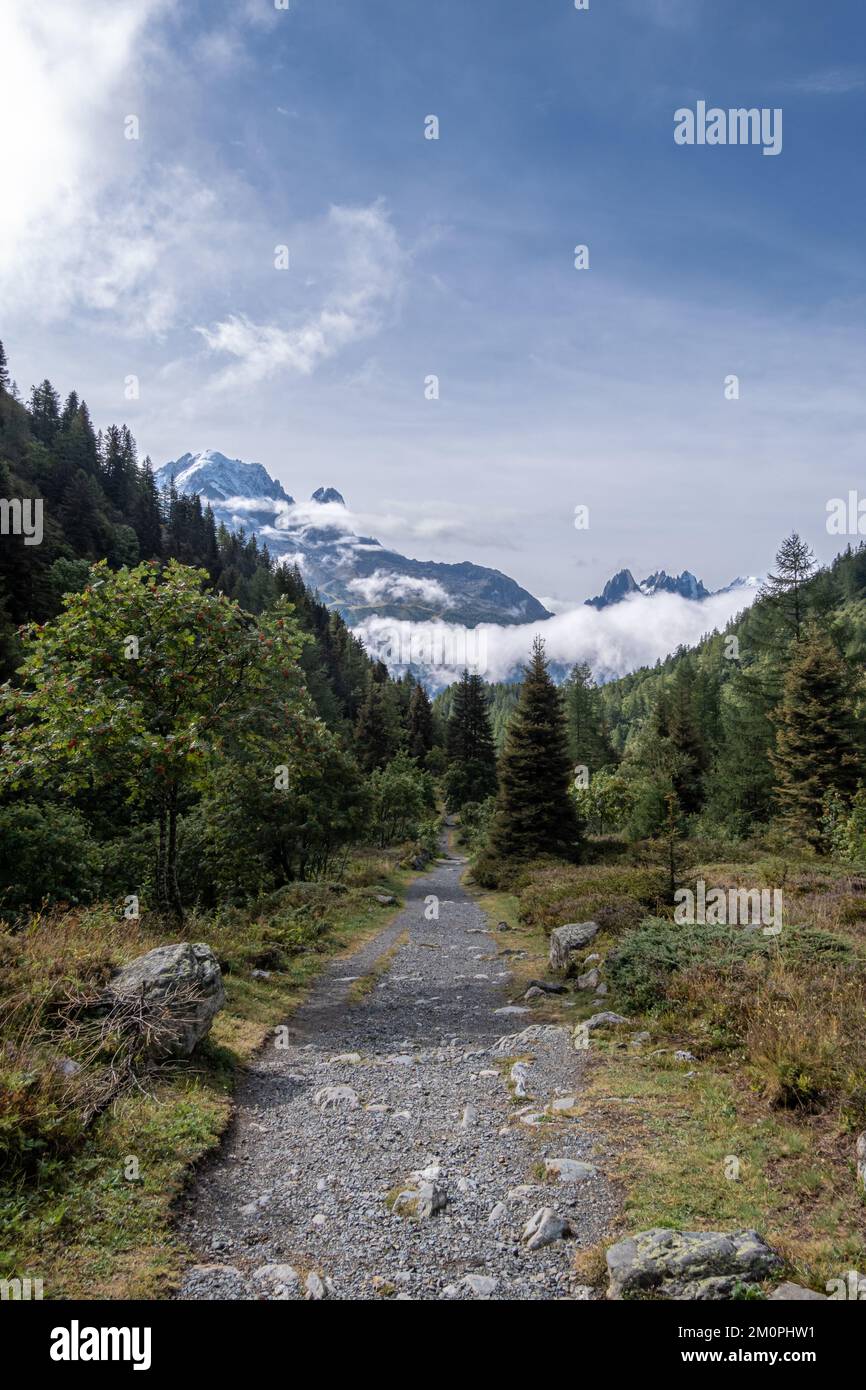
623 585
359 576
354 574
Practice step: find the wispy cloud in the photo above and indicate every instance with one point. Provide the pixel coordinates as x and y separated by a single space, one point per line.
370 267
637 632
830 82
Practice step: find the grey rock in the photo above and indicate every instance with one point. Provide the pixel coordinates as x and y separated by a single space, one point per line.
547 987
183 982
793 1293
544 1228
861 1158
688 1264
431 1199
280 1281
589 980
330 1096
569 1169
564 941
534 993
386 899
603 1020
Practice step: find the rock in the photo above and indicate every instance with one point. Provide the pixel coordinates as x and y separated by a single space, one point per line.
317 1288
431 1173
562 1103
502 926
588 960
861 1158
684 1056
688 1264
544 1228
638 1039
520 1042
547 987
534 993
481 1285
331 1096
261 974
602 1020
386 899
470 1115
601 990
565 940
589 980
519 1075
281 1281
569 1170
512 1009
183 983
793 1292
430 1199
497 1214
348 1057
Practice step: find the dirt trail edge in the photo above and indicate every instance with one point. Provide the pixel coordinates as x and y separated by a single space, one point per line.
395 1076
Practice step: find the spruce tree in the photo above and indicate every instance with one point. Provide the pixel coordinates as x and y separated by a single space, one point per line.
784 589
376 733
588 742
815 750
4 369
420 724
471 753
534 811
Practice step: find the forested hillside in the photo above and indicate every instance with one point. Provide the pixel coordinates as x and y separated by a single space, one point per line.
157 796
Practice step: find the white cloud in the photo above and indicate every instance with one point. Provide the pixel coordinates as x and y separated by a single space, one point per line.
83 222
382 587
637 632
369 277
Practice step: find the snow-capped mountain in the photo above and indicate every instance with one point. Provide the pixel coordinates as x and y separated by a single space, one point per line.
353 573
687 585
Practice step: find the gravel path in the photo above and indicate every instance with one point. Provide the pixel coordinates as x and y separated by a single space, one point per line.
401 1089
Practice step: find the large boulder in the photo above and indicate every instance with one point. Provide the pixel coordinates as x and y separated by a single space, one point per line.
688 1264
564 941
181 989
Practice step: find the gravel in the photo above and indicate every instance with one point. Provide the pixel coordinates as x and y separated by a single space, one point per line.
402 1092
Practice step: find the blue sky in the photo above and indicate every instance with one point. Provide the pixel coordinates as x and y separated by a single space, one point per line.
454 257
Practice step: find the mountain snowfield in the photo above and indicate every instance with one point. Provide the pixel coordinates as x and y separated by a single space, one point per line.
437 617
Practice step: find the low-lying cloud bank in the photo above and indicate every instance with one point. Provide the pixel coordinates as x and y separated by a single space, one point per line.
637 632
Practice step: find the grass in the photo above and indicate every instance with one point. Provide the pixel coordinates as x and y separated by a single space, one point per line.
761 1135
91 1214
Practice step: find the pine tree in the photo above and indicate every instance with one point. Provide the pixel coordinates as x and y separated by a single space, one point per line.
471 775
815 750
376 732
44 412
146 516
687 741
588 741
794 564
420 724
4 369
534 812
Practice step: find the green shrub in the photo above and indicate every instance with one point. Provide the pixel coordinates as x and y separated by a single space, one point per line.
48 855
